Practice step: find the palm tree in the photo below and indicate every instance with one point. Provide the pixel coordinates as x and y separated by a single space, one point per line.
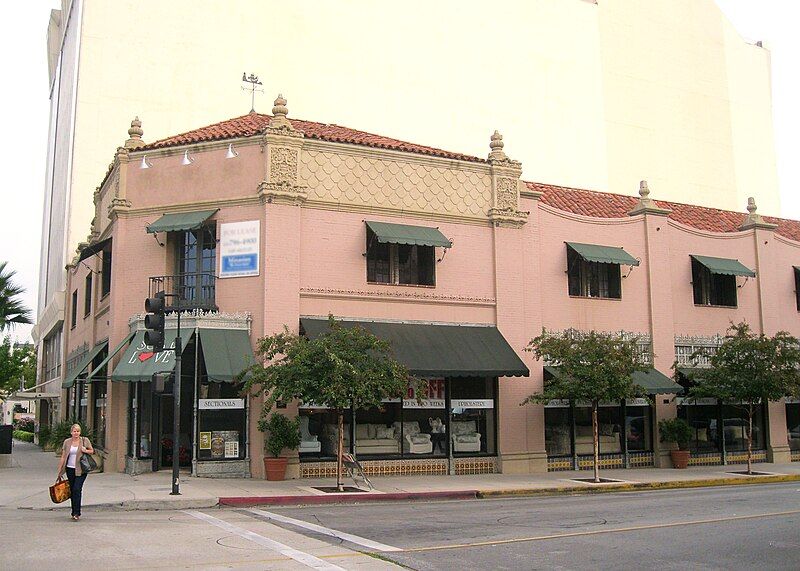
12 310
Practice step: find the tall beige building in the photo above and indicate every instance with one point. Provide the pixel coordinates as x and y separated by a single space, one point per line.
590 94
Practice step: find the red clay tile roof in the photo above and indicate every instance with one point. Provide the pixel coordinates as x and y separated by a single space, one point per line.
607 205
255 123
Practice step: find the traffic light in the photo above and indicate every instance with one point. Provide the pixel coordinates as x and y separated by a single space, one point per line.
154 321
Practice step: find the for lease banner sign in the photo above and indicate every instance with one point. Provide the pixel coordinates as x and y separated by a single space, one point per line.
239 245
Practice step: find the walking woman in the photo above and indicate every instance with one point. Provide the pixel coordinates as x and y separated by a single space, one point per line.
71 452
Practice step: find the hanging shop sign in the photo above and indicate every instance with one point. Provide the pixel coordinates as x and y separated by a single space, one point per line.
472 403
239 249
220 404
424 403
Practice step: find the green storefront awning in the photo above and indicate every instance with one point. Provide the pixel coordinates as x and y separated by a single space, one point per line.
651 380
654 382
139 363
90 251
603 254
226 353
110 356
181 221
84 362
438 350
724 266
387 233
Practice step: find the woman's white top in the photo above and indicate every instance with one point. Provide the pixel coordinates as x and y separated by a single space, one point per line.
73 454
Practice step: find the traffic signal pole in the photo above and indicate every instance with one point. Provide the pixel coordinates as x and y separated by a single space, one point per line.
176 415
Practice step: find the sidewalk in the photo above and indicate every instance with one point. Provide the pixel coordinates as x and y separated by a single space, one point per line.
25 485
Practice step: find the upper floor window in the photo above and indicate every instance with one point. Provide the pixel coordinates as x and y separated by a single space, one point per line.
51 356
105 280
714 280
87 296
594 271
402 255
74 309
797 286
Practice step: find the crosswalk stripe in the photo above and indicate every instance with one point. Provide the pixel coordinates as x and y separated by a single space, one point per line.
299 556
325 531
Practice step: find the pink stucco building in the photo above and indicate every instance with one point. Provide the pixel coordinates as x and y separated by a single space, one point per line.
262 221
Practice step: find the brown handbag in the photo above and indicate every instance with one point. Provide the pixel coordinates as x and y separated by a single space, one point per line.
60 491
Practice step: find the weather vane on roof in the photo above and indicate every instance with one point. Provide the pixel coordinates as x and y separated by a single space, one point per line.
252 79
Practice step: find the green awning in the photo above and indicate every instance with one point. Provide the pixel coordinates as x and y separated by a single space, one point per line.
90 251
403 234
181 221
110 356
692 373
85 361
437 350
139 363
603 254
655 382
724 266
226 353
651 380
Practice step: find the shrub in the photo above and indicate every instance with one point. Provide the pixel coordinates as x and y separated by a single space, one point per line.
62 430
282 433
23 435
44 435
24 424
675 430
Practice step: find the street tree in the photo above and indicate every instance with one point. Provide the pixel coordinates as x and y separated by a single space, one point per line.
17 363
592 367
12 309
748 370
342 369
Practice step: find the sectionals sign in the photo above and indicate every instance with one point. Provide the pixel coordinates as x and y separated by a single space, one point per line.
239 249
218 404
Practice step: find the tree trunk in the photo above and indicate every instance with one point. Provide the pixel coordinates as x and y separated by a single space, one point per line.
339 452
750 439
596 438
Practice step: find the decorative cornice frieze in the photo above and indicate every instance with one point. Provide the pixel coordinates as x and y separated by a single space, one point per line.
281 193
383 295
200 319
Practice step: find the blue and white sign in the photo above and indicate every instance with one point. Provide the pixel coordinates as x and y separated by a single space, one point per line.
239 249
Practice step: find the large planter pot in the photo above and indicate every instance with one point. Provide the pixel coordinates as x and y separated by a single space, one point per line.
680 458
275 468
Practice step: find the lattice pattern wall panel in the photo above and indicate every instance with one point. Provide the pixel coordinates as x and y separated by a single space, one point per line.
422 467
466 466
606 461
641 459
741 457
795 455
705 459
636 459
413 186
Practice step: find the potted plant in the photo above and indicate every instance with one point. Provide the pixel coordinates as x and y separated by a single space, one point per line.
678 431
281 433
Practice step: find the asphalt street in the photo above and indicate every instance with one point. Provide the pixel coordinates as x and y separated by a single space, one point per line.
742 527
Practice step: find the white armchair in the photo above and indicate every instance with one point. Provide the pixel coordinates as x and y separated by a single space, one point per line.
308 441
414 441
465 435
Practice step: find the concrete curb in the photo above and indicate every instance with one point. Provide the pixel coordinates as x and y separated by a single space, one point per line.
144 505
346 498
639 486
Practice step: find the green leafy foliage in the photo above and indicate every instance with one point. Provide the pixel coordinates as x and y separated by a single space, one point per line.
12 310
342 368
675 430
63 430
749 368
281 433
16 362
22 435
593 366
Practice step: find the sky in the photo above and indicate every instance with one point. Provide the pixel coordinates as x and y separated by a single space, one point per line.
25 100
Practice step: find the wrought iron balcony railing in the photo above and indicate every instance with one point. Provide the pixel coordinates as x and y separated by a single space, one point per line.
188 291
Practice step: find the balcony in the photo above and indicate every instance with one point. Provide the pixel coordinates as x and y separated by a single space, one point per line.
187 291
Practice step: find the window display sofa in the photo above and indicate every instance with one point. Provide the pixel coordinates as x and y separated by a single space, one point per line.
376 439
608 436
414 440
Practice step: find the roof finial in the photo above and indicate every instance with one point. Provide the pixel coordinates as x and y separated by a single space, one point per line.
751 206
279 113
644 191
753 218
497 145
135 135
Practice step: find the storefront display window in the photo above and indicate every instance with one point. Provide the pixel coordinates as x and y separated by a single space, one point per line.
638 427
415 427
221 422
557 429
703 416
793 424
99 417
735 422
609 424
